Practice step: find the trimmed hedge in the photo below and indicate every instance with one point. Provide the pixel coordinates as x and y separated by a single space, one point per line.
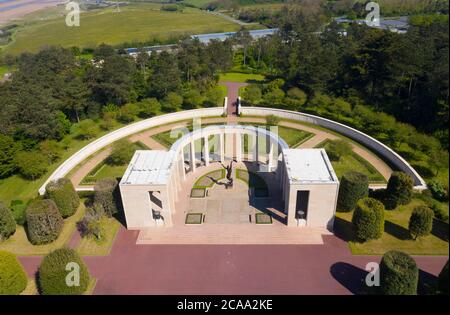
399 274
399 190
7 223
64 195
368 219
443 280
52 273
106 195
421 221
13 279
353 187
44 221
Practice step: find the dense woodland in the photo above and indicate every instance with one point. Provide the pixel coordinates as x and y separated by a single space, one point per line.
378 81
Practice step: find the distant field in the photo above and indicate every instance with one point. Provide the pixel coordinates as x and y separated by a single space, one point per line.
198 3
139 22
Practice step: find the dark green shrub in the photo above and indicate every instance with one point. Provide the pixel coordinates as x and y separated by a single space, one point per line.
353 187
106 195
337 149
272 120
443 280
52 273
399 274
438 191
90 226
368 219
18 211
64 195
122 152
13 279
421 221
439 212
44 221
7 223
399 189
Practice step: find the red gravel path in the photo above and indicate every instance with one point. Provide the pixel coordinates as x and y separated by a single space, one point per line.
232 269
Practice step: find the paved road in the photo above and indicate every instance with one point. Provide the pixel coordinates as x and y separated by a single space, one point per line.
232 269
232 96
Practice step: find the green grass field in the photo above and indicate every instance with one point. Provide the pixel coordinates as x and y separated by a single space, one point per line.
137 22
3 70
241 77
396 235
198 3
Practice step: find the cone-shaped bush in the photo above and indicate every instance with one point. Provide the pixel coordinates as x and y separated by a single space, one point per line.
353 186
13 279
399 189
63 272
368 219
44 221
398 274
106 195
421 221
7 223
64 195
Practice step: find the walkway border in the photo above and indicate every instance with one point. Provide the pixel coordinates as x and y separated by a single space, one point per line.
390 155
123 132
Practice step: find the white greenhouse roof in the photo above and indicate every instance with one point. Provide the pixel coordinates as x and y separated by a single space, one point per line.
148 167
308 166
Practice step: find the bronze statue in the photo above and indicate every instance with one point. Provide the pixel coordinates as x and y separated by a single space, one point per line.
229 170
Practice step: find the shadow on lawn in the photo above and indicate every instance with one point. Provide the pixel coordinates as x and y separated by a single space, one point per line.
343 229
440 230
396 231
427 283
349 276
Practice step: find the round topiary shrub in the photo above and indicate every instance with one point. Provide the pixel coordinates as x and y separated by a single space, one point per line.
421 221
64 195
443 280
44 221
106 195
7 223
399 274
13 279
58 273
353 187
368 219
399 189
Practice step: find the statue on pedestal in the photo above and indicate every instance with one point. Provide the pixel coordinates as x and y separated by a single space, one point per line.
229 170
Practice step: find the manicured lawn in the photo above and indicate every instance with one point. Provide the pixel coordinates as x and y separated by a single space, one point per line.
20 245
293 137
354 162
103 171
253 180
89 246
137 22
396 235
241 77
208 180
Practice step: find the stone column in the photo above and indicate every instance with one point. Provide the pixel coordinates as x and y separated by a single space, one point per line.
206 151
192 151
222 147
238 147
255 147
270 162
183 172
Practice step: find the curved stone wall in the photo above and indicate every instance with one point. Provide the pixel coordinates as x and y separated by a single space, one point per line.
123 132
384 151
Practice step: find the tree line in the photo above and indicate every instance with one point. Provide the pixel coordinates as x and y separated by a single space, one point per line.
55 95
